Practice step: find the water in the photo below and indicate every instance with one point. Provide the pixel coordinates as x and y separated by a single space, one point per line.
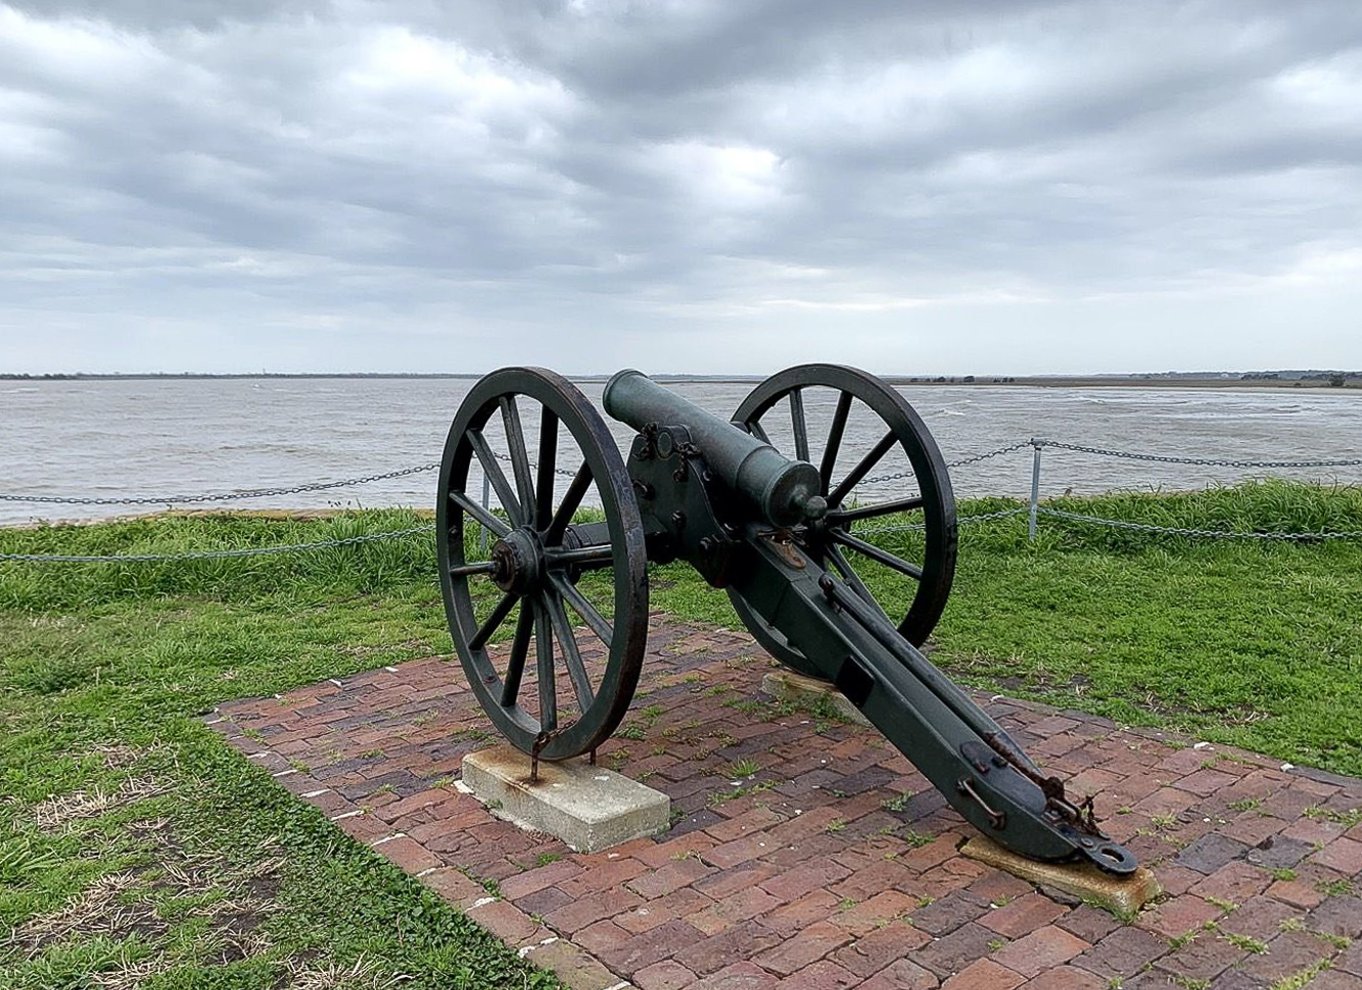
154 437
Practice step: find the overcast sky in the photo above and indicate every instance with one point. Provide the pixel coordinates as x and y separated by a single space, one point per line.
725 186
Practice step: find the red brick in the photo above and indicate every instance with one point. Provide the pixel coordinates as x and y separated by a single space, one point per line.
1041 950
674 849
795 883
1235 882
709 955
810 945
739 851
817 905
822 975
572 965
601 937
1297 893
1067 978
537 879
879 910
424 799
409 856
650 914
1179 915
877 949
739 976
504 921
601 876
753 820
901 975
744 904
583 911
983 974
674 875
1123 953
724 882
1026 914
666 975
1341 854
997 887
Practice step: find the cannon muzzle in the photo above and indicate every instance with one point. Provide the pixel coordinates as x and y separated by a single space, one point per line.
787 492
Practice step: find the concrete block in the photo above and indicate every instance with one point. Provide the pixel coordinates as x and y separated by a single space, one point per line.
589 808
1122 895
786 685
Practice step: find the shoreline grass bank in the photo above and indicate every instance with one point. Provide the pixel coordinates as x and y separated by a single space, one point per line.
112 793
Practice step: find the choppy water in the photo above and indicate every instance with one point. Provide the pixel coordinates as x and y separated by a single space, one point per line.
155 437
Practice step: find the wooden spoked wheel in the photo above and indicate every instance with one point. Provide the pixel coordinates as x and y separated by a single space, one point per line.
575 594
781 411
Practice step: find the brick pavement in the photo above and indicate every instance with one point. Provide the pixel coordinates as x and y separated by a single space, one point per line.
835 865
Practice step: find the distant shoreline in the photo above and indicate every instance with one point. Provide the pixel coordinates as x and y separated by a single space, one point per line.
1316 380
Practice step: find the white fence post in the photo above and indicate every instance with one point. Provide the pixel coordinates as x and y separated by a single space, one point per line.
1035 491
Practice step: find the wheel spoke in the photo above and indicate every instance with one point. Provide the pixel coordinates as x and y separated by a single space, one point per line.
581 481
520 460
572 656
799 424
548 686
520 646
853 579
603 630
839 425
496 476
548 460
494 621
861 469
483 516
880 509
757 431
875 553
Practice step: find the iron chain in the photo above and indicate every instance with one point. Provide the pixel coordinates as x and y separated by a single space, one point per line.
1216 534
143 558
1169 459
907 475
219 496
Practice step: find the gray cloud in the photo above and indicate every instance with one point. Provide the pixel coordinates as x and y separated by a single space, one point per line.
709 186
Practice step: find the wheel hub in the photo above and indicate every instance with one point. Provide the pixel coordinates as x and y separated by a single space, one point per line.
517 559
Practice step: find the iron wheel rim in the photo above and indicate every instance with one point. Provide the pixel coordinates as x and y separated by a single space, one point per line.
628 624
929 469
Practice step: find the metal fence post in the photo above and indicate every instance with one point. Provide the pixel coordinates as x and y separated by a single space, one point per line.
486 496
1035 492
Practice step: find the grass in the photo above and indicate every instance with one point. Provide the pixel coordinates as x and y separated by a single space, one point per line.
114 860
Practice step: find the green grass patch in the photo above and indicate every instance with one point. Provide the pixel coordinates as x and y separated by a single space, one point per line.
110 788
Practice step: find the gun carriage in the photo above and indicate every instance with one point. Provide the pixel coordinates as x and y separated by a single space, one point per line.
775 529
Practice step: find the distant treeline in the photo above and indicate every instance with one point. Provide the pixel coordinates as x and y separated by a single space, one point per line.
1335 378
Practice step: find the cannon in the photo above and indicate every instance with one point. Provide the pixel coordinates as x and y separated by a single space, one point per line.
783 531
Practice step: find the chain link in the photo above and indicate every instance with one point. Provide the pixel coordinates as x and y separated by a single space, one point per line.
142 558
1169 459
906 475
219 496
1216 534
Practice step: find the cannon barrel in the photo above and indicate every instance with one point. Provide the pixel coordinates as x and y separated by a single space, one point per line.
786 491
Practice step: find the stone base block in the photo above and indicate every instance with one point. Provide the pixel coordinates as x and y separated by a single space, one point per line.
1122 895
589 808
786 685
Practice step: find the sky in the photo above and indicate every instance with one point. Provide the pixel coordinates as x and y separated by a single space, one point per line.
709 186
